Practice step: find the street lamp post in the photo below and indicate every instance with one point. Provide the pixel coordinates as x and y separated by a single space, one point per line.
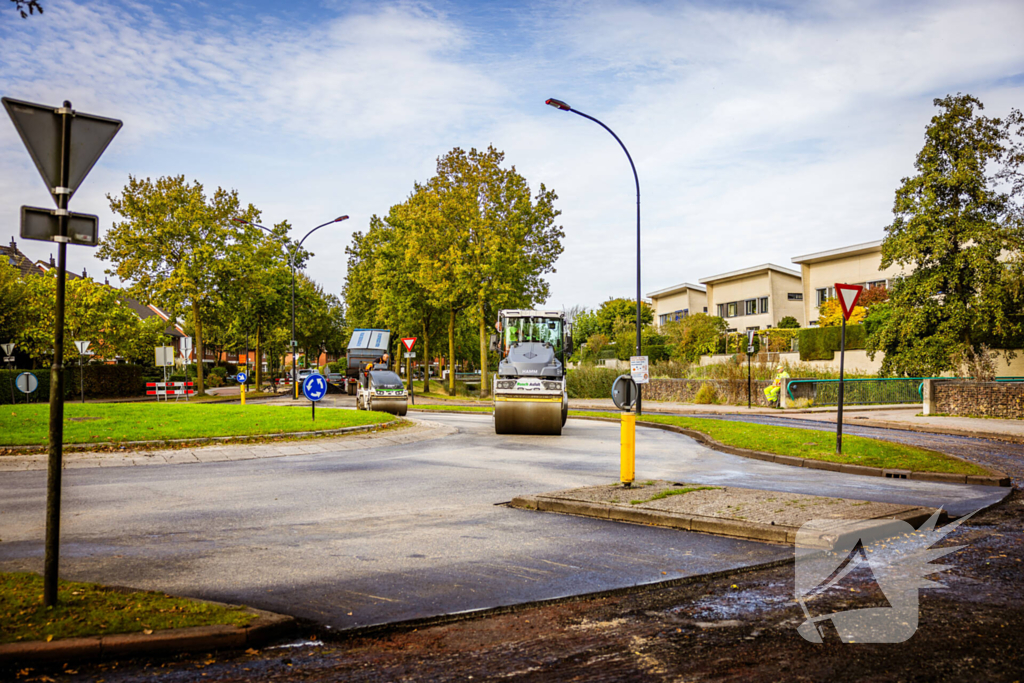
562 106
291 264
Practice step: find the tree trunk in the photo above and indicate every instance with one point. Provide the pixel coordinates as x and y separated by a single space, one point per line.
451 351
198 324
426 359
484 386
258 372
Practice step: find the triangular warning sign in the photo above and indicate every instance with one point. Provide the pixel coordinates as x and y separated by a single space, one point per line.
8 348
41 129
409 342
848 297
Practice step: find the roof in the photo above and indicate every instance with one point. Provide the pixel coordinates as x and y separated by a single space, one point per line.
675 289
751 271
842 252
17 259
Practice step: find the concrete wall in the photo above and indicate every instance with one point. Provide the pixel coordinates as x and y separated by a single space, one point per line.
853 270
691 300
772 284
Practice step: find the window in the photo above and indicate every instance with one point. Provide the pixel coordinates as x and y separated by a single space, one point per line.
750 307
824 294
721 310
730 310
755 328
795 296
878 283
762 305
662 319
705 309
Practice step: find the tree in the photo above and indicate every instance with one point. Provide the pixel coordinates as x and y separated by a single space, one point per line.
875 295
951 229
614 310
830 314
32 6
92 312
476 237
788 323
172 247
694 336
596 343
15 310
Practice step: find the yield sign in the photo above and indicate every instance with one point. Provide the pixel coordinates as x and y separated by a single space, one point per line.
8 348
83 347
41 129
409 342
848 296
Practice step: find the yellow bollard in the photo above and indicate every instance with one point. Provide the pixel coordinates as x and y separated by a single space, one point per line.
241 389
627 468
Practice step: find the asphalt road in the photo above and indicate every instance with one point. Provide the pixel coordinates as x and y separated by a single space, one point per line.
363 537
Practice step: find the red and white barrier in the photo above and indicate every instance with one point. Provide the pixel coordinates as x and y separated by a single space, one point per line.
166 389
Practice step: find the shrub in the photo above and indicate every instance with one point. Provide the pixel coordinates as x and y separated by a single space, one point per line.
821 343
100 381
591 382
706 395
789 323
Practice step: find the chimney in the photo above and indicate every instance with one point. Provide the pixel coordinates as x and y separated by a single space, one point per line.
106 281
84 275
14 245
53 264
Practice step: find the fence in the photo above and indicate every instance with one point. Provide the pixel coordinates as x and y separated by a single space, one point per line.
887 390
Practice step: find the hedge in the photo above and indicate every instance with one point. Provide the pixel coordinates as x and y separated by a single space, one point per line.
821 343
101 381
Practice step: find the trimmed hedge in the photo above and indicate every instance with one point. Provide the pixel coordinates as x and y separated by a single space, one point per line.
101 381
821 343
591 382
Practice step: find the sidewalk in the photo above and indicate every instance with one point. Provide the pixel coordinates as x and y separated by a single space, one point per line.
906 417
420 430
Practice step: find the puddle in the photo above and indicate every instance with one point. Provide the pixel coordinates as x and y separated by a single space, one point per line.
728 606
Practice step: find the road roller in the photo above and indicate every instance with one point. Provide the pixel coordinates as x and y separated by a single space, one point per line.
529 386
382 390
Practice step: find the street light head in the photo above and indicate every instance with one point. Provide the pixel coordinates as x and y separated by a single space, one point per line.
557 104
340 219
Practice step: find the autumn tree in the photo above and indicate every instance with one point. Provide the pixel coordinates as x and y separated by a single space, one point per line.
830 314
959 239
172 245
694 336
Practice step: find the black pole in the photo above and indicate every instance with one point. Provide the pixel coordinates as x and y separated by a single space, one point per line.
81 378
636 179
295 360
748 381
51 560
839 416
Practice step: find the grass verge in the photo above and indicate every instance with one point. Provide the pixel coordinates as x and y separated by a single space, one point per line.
88 609
23 425
814 445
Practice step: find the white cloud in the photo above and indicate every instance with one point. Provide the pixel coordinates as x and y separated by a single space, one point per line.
759 133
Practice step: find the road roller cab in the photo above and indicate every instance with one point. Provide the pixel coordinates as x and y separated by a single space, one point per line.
383 391
529 386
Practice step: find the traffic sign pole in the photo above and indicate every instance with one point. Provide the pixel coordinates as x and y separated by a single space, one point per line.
848 297
52 553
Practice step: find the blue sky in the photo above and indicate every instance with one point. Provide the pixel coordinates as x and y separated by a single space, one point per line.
760 131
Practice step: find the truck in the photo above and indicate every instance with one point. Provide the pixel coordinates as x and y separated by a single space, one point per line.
365 346
529 386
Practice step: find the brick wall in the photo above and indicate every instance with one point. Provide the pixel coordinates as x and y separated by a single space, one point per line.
982 399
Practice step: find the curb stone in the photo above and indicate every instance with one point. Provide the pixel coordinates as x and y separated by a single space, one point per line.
267 627
733 528
994 478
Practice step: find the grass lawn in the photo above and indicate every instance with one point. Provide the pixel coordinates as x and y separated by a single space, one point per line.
88 609
22 425
815 445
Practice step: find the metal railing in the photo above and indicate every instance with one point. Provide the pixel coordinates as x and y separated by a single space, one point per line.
860 391
871 390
